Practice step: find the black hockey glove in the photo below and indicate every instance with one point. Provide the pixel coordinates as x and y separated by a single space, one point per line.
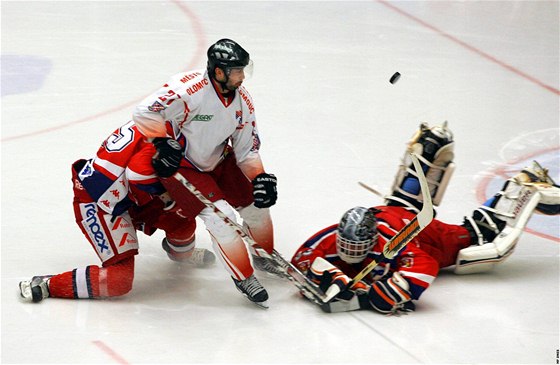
167 159
264 190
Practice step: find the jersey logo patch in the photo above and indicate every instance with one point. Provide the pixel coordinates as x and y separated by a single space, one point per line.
156 107
203 117
87 171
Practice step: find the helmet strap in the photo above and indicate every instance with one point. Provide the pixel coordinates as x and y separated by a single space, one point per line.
221 83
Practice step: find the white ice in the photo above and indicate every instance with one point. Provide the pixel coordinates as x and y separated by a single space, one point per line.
328 117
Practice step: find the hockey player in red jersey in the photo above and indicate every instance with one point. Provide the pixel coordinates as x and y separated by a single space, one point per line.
336 254
115 194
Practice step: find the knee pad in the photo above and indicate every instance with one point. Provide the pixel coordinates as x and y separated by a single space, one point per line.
215 225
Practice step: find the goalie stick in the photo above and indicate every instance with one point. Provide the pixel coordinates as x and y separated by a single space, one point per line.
308 288
402 238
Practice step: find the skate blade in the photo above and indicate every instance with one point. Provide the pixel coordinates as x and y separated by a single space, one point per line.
263 305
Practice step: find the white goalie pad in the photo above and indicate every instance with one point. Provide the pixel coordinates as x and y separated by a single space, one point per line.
515 207
440 169
476 259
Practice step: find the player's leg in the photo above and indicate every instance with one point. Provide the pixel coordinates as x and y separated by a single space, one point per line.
435 147
443 241
257 222
497 225
179 242
115 242
227 244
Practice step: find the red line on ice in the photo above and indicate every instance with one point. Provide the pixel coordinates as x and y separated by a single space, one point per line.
200 50
109 351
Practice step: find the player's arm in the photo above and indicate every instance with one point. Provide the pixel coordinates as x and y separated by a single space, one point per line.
315 246
246 144
152 112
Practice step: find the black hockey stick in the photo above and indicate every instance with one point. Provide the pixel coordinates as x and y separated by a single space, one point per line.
402 238
289 271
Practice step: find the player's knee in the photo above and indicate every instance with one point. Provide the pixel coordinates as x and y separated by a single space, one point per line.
215 225
182 234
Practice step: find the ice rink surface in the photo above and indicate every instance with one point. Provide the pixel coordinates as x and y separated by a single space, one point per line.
72 72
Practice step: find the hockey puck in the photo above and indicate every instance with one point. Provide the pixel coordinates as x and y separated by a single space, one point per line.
396 76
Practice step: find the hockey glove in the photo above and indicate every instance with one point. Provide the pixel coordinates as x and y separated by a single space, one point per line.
391 295
167 159
264 190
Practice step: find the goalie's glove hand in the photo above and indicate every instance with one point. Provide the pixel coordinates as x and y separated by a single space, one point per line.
391 295
168 156
264 190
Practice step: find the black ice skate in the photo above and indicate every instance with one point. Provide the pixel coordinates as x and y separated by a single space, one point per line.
253 290
269 266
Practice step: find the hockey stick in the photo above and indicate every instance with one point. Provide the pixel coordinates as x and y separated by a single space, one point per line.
402 238
370 189
290 272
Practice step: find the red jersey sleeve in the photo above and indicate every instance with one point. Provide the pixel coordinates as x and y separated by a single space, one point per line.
321 244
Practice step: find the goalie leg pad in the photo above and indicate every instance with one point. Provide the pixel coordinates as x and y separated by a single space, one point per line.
435 147
476 259
537 176
497 227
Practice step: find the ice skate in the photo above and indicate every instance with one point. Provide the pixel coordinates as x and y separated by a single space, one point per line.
253 290
537 176
270 267
199 257
36 289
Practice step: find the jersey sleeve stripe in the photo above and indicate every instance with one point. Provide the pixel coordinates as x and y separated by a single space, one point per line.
105 166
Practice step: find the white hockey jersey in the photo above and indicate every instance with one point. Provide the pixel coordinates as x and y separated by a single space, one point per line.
204 121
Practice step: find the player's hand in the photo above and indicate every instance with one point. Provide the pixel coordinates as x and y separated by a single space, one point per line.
264 190
167 159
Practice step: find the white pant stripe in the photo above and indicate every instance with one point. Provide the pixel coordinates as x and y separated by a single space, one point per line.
81 283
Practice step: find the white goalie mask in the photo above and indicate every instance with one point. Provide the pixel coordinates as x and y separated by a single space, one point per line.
356 234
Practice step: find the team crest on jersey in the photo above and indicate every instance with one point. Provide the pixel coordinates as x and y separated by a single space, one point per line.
156 107
239 119
78 185
86 171
407 261
256 141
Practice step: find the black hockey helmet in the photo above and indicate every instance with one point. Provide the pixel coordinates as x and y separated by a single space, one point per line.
356 234
226 54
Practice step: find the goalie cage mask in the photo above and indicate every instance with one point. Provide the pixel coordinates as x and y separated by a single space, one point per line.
356 234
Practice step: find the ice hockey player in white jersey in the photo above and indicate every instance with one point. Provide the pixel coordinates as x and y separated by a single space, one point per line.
212 116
